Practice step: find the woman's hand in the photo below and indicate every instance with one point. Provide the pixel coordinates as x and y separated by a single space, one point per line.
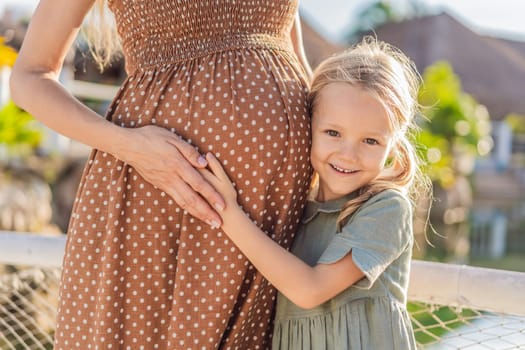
171 164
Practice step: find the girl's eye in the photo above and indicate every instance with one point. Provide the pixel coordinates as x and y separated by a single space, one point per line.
370 141
332 133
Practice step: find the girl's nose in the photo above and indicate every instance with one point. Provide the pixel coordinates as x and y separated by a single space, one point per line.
349 150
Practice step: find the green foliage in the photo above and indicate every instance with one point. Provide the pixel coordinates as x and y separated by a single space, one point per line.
516 123
455 127
19 133
370 17
376 14
431 323
18 130
380 12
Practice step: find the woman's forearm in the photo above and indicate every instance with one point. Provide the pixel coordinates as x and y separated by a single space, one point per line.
49 102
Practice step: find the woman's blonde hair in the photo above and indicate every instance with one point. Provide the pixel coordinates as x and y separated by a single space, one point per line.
101 34
390 76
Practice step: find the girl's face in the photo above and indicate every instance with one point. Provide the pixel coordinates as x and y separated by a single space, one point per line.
351 139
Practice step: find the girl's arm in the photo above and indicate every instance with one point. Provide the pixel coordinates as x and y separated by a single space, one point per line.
297 41
304 285
160 156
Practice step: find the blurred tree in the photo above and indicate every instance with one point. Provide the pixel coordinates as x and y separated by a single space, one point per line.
381 12
25 196
20 134
454 131
455 128
376 14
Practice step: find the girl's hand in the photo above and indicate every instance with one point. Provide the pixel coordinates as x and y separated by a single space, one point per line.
218 178
169 163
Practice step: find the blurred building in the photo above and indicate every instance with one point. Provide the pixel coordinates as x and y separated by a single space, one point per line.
490 69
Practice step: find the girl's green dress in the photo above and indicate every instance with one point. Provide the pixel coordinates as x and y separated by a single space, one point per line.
372 313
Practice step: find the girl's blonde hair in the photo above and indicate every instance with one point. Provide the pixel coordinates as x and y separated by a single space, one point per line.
101 34
392 78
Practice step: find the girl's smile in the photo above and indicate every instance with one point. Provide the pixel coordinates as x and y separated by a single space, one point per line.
342 170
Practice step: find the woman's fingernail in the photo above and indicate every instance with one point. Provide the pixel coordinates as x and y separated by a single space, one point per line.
219 206
213 223
202 160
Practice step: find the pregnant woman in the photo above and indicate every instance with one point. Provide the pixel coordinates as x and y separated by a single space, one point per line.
146 266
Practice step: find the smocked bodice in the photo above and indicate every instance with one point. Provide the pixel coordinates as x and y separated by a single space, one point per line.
157 32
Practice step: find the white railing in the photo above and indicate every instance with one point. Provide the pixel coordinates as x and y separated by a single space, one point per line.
30 249
468 287
451 306
85 89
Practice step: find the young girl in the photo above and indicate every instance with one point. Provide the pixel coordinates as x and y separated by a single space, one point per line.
344 286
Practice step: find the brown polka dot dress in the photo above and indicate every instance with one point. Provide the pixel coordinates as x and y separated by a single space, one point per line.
141 273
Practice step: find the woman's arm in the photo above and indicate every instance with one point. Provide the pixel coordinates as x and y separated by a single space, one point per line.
304 285
160 156
297 41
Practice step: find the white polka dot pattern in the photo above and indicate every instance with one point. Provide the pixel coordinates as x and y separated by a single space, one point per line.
141 273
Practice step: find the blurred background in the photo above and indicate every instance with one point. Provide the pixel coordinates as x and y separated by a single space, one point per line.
471 55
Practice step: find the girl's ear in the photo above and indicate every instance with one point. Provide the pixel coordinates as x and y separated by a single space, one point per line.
389 162
392 157
392 166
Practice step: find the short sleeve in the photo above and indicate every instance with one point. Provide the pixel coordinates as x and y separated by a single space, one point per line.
376 235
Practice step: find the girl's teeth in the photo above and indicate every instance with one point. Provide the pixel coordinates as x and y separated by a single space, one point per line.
342 170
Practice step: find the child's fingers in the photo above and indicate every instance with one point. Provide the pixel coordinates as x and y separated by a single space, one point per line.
209 176
218 178
216 166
